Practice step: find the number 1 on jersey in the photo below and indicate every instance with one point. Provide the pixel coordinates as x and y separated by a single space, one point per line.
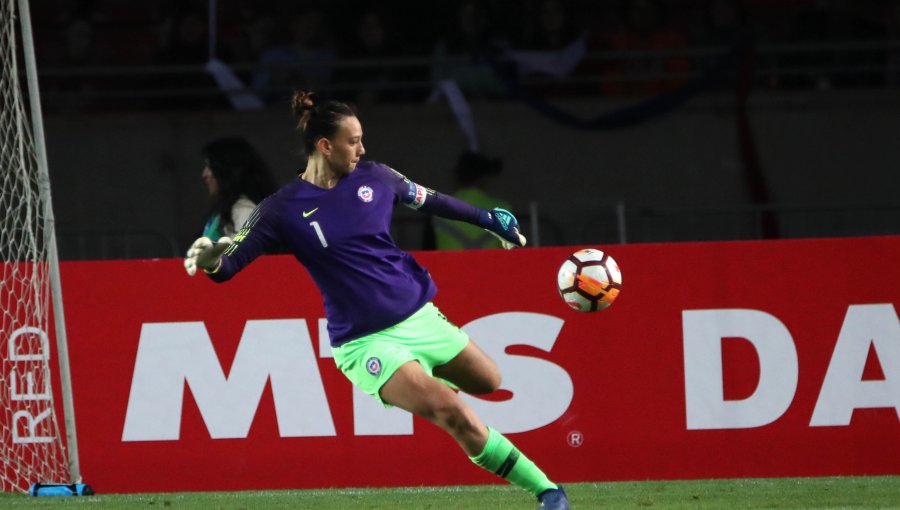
315 225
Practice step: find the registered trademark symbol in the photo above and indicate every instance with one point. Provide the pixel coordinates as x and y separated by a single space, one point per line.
575 438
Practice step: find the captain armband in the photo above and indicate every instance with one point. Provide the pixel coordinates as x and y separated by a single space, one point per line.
416 195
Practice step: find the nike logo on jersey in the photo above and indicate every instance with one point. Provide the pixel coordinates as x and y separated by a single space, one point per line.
307 214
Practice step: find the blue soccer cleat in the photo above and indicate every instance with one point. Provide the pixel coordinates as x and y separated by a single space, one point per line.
554 499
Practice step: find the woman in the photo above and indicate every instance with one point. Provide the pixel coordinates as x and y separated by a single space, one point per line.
237 178
387 336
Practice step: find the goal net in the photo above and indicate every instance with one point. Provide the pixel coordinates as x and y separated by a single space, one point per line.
32 446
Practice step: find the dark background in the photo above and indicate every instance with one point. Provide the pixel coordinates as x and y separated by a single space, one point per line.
682 120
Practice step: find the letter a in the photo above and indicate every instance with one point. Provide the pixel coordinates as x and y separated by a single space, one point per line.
843 389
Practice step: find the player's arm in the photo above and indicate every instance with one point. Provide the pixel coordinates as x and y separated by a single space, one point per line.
500 222
223 259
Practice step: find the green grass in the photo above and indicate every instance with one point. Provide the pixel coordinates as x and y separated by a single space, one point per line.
788 493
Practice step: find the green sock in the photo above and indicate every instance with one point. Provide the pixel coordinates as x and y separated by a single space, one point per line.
504 460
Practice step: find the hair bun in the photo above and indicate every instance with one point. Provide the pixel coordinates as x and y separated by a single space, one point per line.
302 101
302 104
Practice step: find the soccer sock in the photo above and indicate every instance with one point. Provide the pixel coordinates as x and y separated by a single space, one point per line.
504 460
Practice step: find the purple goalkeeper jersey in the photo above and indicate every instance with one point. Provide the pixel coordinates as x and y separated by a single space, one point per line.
342 237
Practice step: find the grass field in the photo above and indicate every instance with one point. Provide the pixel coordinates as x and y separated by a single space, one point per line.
789 493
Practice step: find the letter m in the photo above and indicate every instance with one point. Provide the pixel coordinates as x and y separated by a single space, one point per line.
173 354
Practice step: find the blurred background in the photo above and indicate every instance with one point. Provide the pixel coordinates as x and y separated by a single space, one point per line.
614 121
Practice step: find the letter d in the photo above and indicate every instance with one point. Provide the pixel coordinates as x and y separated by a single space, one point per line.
703 379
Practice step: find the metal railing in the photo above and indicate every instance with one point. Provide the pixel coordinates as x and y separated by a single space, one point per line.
871 63
619 223
740 222
613 224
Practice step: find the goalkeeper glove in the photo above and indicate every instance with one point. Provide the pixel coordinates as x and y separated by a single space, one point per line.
504 226
205 254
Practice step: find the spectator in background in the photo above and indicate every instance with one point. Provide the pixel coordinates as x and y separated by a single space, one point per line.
460 55
721 22
552 27
302 55
370 42
475 174
646 27
185 39
237 178
824 37
812 23
553 48
859 22
79 50
73 42
723 25
248 27
185 44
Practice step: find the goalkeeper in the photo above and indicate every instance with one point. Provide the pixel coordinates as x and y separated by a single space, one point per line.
387 336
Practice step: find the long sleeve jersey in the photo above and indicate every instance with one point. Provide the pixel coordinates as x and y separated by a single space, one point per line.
342 238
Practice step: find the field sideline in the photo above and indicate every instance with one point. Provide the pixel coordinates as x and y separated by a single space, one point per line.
881 492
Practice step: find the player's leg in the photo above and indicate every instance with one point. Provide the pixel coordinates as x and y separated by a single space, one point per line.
471 370
396 366
475 372
412 389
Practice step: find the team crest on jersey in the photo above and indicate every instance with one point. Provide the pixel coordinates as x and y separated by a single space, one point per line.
365 193
373 366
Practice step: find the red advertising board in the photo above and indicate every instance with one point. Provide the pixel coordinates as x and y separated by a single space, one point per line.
726 359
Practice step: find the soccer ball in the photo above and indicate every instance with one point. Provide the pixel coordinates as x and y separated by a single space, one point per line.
589 280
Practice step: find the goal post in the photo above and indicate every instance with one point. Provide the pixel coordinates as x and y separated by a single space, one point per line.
32 446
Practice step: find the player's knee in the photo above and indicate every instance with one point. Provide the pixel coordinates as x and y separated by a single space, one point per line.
491 379
489 383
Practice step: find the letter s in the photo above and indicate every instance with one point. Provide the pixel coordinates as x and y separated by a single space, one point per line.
542 391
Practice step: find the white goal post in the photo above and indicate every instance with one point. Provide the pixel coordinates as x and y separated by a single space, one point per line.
32 446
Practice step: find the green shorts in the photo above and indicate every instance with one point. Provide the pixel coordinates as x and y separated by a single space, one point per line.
426 336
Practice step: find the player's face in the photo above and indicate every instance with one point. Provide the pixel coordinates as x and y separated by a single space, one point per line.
347 147
212 185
